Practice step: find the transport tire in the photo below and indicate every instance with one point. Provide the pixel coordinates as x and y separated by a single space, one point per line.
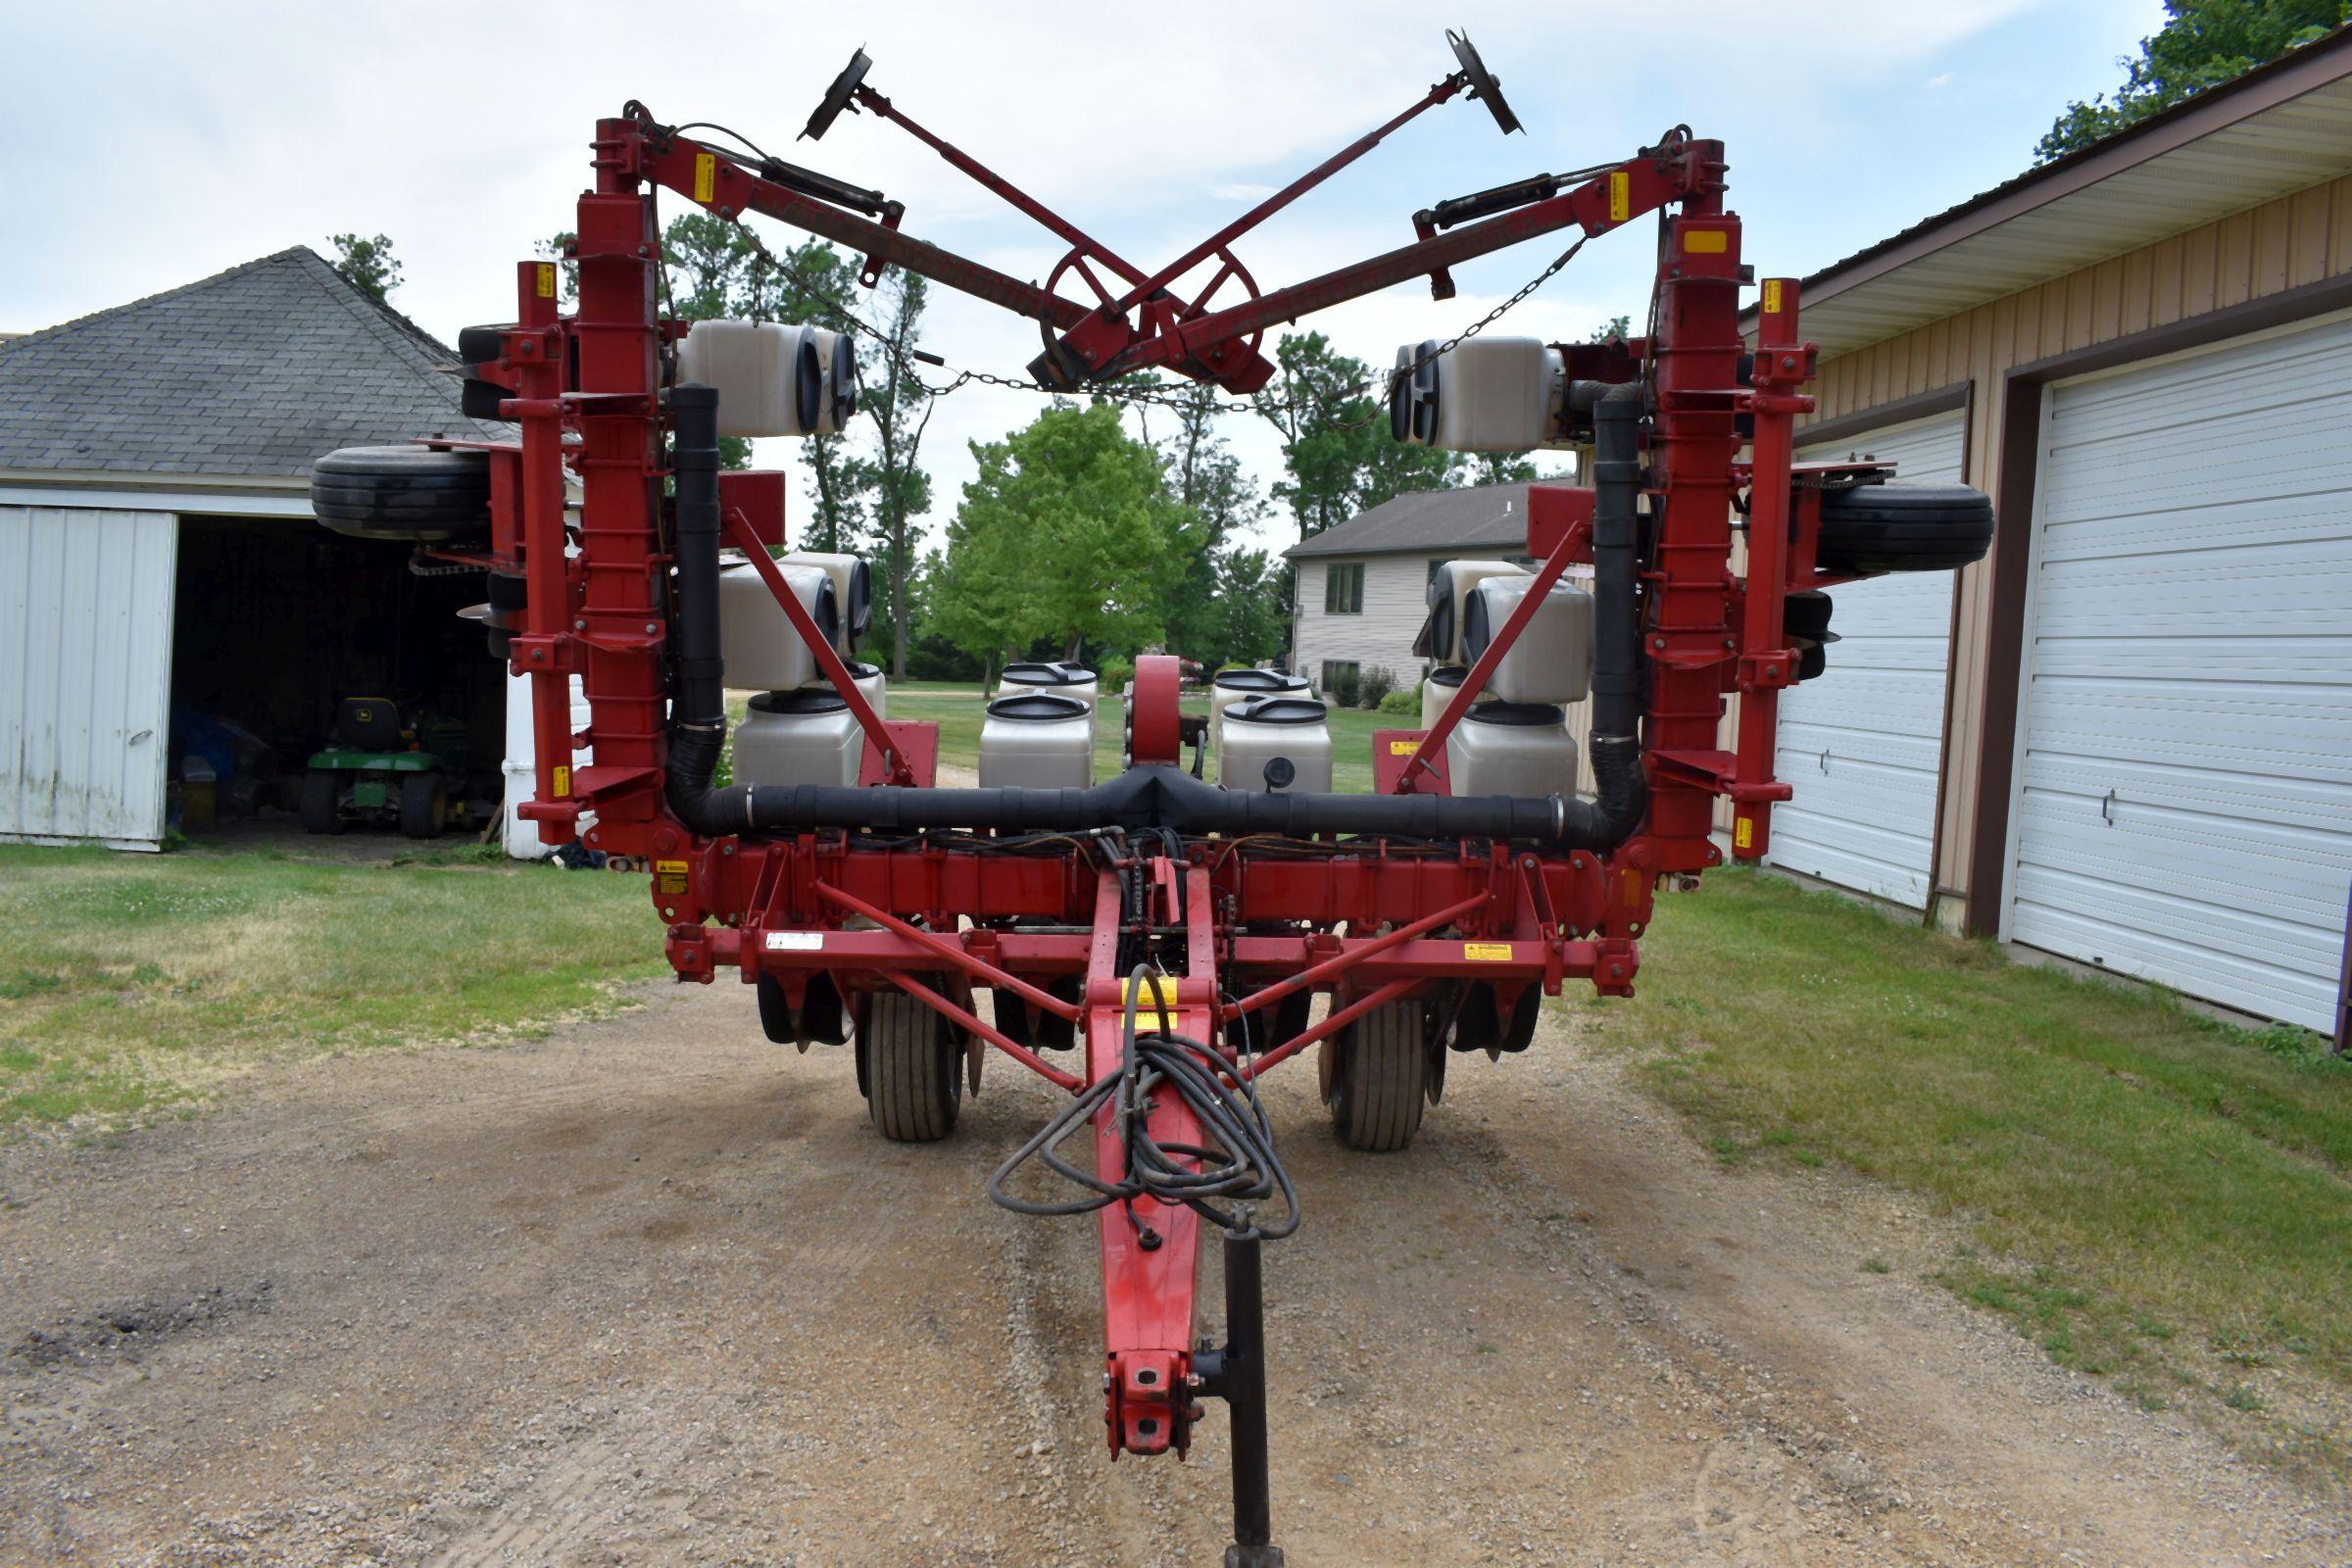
913 1069
423 804
1904 527
405 493
320 791
1379 1078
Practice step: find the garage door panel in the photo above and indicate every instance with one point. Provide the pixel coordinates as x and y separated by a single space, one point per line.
2184 805
1802 748
84 672
2187 965
2273 734
2187 858
2309 806
1876 717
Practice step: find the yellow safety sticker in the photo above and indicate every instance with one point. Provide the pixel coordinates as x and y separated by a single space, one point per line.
1403 748
547 281
1744 833
562 781
705 177
1621 196
1487 952
1705 242
1772 296
669 877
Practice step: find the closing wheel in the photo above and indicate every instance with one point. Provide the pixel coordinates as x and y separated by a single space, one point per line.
423 804
321 791
913 1069
1379 1078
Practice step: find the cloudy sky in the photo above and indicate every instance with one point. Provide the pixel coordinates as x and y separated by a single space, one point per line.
160 143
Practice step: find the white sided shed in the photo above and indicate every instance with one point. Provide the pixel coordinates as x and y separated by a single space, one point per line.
157 548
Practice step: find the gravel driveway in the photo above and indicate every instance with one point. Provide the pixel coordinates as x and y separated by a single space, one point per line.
652 1290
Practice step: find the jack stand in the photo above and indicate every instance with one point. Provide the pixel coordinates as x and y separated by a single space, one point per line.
1237 1374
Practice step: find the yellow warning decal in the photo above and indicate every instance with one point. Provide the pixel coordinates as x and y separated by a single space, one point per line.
1621 196
1151 994
547 281
562 782
1772 296
1744 833
1706 241
1404 747
669 877
1487 952
705 177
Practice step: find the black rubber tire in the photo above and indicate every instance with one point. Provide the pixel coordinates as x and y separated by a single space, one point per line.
423 804
914 1070
405 493
1904 527
321 791
1380 1079
775 1012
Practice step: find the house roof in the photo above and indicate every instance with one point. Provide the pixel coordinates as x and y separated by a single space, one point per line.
2279 129
252 372
1427 522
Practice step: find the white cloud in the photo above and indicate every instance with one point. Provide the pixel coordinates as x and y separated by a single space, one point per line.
1938 81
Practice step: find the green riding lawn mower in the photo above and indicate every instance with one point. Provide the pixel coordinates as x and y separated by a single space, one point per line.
382 767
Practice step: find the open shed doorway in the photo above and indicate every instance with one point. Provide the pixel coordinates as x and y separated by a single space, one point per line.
278 621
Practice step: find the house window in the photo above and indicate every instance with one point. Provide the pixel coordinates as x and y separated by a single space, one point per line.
1340 674
1343 589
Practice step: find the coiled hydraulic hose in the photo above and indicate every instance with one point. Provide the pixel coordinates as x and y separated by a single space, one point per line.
1236 1163
1163 797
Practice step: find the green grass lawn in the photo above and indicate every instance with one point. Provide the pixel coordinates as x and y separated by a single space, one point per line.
131 983
2152 1195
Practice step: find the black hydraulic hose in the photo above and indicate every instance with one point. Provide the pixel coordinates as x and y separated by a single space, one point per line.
1163 797
1621 792
698 726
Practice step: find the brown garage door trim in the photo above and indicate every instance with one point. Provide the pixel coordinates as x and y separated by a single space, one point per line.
2013 508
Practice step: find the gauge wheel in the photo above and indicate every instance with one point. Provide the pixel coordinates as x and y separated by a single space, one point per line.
913 1074
1379 1078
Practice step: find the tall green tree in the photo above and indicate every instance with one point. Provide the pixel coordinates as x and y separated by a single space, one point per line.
898 491
1336 452
2203 44
366 262
1069 532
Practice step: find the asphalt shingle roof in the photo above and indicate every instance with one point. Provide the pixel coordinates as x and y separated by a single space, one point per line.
254 373
1428 521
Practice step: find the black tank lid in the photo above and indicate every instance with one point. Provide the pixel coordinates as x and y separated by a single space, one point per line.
1048 675
1278 710
802 703
1448 674
1530 715
1260 680
1038 708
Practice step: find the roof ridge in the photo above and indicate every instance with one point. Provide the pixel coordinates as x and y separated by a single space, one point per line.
376 318
38 335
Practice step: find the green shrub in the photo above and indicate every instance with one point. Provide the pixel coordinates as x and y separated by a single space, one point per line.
1116 673
1405 699
1346 686
1377 682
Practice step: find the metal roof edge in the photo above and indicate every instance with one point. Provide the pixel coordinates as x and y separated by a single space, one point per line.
2263 87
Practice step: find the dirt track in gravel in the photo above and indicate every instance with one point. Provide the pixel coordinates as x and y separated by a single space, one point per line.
652 1290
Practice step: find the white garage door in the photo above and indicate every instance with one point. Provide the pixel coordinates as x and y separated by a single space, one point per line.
1861 744
2184 786
85 673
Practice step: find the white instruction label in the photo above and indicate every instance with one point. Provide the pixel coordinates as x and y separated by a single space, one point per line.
795 941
